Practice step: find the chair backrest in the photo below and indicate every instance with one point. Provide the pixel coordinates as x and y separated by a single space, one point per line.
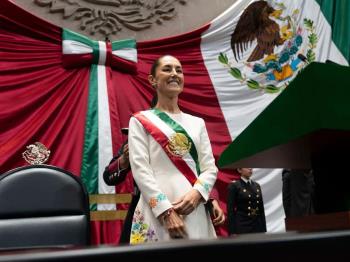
43 206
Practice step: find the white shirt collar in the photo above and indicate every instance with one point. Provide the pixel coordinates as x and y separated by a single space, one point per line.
246 180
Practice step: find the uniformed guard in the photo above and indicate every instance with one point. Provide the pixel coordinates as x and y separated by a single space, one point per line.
245 207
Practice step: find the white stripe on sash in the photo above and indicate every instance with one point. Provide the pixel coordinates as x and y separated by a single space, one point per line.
168 132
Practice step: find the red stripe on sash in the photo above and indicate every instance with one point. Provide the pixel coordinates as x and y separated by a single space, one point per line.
163 141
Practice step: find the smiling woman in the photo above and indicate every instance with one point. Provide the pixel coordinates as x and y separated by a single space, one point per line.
168 80
172 163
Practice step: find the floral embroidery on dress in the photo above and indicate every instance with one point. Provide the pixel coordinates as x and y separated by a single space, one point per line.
204 185
140 231
161 197
154 200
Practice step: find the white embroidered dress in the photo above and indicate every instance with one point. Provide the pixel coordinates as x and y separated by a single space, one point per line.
161 183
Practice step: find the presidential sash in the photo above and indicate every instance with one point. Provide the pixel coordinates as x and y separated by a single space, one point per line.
174 140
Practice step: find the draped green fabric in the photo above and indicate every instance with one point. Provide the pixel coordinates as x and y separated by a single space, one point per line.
306 106
89 167
337 14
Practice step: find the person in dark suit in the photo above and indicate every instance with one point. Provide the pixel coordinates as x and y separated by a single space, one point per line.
298 187
114 174
245 207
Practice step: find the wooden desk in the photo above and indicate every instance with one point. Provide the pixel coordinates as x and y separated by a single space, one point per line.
319 222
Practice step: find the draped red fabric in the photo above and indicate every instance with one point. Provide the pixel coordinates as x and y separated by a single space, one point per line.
39 99
42 101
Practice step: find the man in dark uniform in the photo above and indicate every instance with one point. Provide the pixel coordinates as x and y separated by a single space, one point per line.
245 207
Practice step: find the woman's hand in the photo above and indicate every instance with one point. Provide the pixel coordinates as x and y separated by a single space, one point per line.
173 223
188 202
219 216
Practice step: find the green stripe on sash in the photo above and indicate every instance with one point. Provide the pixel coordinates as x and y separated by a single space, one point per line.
179 129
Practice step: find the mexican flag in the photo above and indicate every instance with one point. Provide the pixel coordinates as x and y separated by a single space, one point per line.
234 67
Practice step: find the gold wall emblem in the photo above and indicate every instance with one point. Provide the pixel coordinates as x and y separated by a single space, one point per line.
36 154
179 145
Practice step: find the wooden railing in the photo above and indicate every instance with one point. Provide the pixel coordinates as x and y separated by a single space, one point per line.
105 215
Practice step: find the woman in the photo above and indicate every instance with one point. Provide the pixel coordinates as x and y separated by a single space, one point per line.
172 163
245 207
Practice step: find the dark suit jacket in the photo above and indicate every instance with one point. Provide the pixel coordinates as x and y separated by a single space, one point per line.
298 192
114 177
245 208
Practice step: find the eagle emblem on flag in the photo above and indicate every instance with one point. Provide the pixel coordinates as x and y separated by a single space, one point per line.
278 43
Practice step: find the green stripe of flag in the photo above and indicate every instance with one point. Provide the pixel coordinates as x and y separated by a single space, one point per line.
89 168
337 14
70 35
125 43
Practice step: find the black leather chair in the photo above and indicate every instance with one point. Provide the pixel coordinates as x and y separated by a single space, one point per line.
43 206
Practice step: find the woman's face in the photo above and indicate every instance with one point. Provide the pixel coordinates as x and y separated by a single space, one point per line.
169 78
